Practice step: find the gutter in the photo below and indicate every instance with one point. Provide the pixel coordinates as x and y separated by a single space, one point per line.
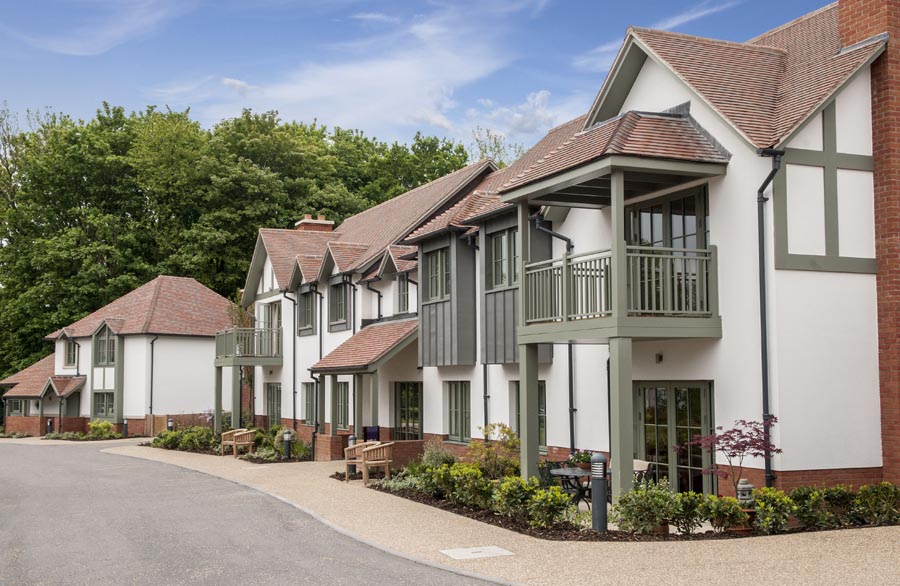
293 358
487 397
348 279
78 357
377 292
572 409
761 200
539 226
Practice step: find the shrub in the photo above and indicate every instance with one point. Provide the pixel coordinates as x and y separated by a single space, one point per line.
773 510
470 487
435 455
415 467
645 507
98 429
839 500
811 508
497 456
266 453
402 481
513 495
299 450
878 504
168 440
549 507
723 512
197 439
440 482
688 512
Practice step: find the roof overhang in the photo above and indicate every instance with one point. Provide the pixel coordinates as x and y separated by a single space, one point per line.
375 364
587 185
254 272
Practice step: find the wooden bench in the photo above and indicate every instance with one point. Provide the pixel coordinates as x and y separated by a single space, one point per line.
237 438
353 456
378 456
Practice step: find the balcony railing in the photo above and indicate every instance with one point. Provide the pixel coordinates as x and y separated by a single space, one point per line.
249 343
672 282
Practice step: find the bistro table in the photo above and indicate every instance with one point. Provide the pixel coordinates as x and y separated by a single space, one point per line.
571 482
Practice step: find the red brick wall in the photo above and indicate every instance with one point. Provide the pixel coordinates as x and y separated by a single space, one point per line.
22 424
330 447
859 20
76 424
137 427
791 479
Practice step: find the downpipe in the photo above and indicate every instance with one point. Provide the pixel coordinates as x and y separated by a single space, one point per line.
377 292
293 358
315 431
761 200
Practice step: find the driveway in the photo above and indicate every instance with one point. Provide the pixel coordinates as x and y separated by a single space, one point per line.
72 515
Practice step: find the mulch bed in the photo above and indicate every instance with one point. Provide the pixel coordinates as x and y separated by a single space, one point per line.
254 460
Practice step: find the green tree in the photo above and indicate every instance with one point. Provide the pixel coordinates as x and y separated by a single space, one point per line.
489 144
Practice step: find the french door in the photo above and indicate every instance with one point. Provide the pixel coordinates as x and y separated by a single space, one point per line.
273 403
408 411
668 415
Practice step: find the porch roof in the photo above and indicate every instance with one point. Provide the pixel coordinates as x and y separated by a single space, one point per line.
369 348
66 385
635 137
30 382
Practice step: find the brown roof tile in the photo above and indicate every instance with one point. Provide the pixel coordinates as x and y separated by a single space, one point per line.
283 246
30 382
643 134
66 385
166 305
345 254
367 346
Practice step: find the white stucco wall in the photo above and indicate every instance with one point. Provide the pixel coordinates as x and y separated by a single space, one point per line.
184 376
136 381
853 108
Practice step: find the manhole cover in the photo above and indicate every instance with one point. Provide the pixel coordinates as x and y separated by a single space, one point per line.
474 553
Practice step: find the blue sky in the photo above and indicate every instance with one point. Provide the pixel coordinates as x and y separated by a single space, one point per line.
389 67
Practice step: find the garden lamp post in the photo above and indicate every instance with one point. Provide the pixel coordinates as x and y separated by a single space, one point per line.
170 424
598 492
124 428
286 436
351 441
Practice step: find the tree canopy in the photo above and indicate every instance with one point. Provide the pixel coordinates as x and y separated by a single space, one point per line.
89 210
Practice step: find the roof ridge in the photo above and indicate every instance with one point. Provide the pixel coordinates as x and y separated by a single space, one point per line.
627 123
791 23
735 44
154 297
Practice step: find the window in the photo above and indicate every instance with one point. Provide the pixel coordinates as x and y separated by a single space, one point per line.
460 416
505 258
105 405
70 356
306 314
402 293
342 406
438 263
309 403
542 413
337 302
105 347
408 411
16 406
273 403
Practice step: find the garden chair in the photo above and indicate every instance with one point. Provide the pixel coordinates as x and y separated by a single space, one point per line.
377 456
642 470
353 456
228 438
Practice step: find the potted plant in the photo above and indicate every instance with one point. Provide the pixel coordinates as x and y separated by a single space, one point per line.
581 459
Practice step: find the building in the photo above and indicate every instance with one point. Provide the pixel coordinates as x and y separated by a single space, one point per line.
142 358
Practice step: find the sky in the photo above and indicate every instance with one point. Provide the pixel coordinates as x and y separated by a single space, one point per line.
390 68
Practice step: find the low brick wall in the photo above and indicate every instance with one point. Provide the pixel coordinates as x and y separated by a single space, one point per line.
22 424
791 479
330 447
74 424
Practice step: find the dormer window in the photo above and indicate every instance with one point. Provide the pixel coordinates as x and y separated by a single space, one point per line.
306 315
338 303
105 347
402 293
70 356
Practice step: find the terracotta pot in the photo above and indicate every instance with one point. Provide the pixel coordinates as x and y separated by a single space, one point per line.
583 465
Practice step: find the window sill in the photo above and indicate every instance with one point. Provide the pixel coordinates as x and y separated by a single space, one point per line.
433 301
501 288
458 442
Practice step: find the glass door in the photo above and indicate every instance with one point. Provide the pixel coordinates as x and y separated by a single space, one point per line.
408 411
273 403
669 414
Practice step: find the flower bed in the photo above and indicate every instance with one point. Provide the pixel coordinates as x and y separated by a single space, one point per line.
97 431
268 445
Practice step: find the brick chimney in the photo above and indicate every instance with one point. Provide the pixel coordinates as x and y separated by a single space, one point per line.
318 225
859 20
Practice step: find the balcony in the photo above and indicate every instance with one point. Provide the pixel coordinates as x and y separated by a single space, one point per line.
249 347
667 293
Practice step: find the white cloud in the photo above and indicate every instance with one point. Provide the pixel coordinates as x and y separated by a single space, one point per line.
529 120
600 59
241 86
379 17
107 24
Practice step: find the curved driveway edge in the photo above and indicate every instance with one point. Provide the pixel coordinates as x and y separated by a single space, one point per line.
418 532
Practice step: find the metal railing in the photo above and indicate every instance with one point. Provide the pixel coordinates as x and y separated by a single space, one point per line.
249 342
678 282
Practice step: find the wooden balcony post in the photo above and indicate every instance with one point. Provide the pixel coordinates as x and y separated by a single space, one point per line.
621 416
618 260
528 409
524 256
217 407
235 397
565 289
713 281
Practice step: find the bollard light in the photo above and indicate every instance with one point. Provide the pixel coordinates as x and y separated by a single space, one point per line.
124 428
286 437
170 424
745 493
598 492
49 426
351 441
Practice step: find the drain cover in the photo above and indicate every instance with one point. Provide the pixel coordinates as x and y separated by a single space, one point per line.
474 553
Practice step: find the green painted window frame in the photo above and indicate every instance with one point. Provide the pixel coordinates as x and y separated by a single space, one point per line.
459 412
308 391
69 356
104 404
542 413
664 204
342 406
273 404
504 258
402 292
105 347
16 406
407 412
438 264
306 315
830 161
337 303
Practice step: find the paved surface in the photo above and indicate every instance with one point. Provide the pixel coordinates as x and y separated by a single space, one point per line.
72 515
867 557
